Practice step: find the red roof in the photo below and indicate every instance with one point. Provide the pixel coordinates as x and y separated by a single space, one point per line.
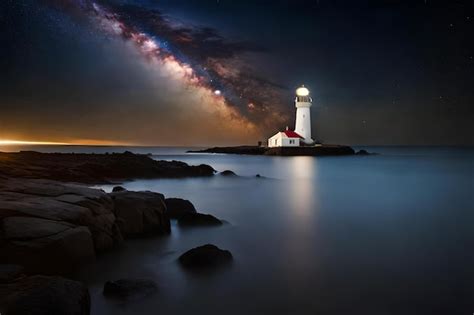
292 134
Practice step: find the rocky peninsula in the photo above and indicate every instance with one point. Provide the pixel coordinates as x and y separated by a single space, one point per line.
52 223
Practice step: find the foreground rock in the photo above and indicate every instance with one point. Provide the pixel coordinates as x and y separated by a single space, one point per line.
9 273
177 207
51 227
205 257
317 150
94 168
41 295
198 219
129 288
140 213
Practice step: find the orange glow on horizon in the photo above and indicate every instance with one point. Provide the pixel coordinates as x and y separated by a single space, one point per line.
75 142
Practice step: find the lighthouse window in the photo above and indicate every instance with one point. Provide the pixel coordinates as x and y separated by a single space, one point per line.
303 116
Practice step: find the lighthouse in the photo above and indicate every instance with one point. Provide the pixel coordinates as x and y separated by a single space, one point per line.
302 133
303 114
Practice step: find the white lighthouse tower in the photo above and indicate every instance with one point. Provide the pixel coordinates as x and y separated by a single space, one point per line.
303 114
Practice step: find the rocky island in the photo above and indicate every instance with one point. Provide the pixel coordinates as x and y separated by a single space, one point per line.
317 150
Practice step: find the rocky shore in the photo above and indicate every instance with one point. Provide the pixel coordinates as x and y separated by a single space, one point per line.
51 224
94 168
318 150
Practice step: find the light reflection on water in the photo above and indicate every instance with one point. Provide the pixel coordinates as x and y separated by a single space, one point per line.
388 234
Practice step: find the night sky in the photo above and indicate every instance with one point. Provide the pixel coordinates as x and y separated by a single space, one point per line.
224 72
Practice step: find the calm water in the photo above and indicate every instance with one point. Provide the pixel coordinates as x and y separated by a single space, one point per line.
385 234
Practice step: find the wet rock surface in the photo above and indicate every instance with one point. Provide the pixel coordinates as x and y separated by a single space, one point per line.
41 295
205 257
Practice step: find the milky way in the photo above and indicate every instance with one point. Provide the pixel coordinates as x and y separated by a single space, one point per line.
198 57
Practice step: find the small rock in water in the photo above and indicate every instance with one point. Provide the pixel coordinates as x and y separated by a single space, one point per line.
227 173
198 219
258 176
118 188
205 257
126 288
362 152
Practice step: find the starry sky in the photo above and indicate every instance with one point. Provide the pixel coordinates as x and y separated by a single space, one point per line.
222 72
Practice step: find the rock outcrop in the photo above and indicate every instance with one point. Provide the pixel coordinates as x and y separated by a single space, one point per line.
129 288
94 168
140 213
177 207
198 219
205 257
41 295
47 226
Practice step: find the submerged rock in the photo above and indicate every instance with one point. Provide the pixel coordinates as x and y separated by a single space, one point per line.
140 213
177 207
127 288
204 257
41 295
198 219
227 173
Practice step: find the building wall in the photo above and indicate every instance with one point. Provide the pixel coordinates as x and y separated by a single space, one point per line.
279 141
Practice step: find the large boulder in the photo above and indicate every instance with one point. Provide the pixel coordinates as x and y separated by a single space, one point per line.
45 246
205 257
56 201
41 295
177 207
140 213
129 288
198 219
52 227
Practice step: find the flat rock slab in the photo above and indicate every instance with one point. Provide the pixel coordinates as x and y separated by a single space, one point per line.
205 257
41 295
51 227
129 288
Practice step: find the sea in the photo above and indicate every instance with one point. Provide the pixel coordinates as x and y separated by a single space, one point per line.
391 233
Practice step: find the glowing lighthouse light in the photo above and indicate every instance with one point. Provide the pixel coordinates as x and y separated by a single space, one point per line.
217 92
302 91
